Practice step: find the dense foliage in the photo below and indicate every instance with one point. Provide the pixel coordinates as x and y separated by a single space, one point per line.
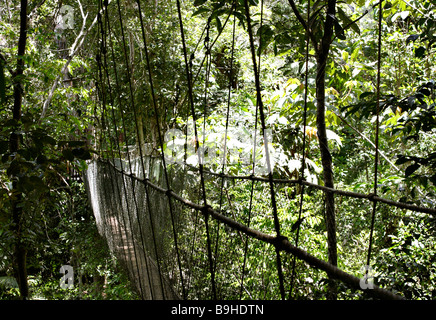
62 126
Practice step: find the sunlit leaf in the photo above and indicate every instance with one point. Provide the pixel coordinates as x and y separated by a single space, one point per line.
333 136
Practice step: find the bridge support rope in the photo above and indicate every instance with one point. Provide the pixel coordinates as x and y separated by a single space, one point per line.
148 236
281 243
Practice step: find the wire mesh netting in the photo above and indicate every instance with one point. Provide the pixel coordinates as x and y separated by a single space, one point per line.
183 232
165 252
179 252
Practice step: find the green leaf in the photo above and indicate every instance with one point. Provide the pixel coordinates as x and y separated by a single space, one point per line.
241 18
81 153
347 21
387 5
420 52
339 31
200 11
49 140
4 146
219 25
199 2
365 94
266 35
68 154
411 169
402 159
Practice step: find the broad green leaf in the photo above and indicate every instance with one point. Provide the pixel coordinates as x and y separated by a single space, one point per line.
346 21
68 155
199 2
266 34
219 25
200 11
402 159
48 140
411 169
420 52
339 31
355 53
345 55
366 94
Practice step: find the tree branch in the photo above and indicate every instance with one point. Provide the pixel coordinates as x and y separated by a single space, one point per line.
364 14
20 250
73 51
281 243
356 20
303 23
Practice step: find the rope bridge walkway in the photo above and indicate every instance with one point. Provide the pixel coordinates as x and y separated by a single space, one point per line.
116 222
177 228
152 263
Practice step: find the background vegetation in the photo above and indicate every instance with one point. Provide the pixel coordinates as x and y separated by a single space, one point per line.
62 126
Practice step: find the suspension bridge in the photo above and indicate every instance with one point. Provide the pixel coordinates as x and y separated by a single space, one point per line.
169 223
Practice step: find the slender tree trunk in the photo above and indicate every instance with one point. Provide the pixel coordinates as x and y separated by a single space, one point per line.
20 251
322 49
326 158
141 139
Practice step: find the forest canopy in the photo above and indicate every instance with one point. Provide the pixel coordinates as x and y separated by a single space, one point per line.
341 92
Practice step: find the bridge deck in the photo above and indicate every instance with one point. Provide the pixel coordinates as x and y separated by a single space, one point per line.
142 270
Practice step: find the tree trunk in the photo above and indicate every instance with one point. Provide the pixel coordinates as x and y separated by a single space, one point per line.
141 140
20 251
326 158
